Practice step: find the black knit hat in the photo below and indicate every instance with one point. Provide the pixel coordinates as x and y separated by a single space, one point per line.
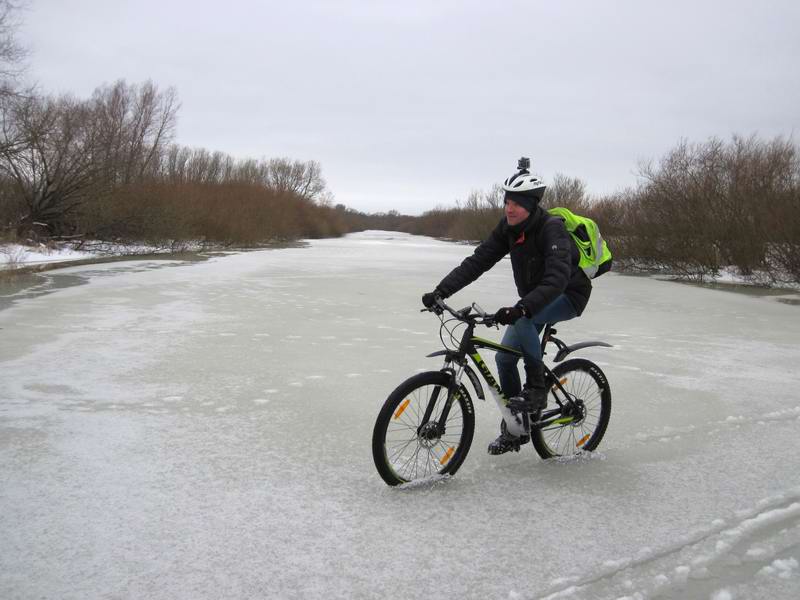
527 202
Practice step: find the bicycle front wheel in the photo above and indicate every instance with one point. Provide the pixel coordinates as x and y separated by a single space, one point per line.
423 429
581 428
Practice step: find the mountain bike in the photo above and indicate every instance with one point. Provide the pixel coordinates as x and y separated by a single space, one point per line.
426 425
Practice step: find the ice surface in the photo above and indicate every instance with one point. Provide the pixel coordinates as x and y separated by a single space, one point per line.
203 431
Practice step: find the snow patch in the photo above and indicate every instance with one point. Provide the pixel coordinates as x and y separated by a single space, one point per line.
13 256
782 568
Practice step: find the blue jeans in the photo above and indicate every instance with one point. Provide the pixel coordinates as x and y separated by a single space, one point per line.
524 335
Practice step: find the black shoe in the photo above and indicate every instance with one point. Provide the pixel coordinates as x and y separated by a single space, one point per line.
506 442
530 400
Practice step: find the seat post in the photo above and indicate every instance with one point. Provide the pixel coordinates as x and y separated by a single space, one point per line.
545 336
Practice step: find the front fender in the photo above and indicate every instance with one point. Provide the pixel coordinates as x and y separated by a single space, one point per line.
476 383
473 378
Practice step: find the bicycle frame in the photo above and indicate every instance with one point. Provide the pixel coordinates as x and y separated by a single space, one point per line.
469 346
435 435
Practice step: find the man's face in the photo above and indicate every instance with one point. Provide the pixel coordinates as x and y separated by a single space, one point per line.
515 213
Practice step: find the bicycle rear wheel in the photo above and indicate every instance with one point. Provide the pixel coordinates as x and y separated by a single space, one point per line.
407 449
584 429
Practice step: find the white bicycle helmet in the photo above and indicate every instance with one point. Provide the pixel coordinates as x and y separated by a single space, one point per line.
525 184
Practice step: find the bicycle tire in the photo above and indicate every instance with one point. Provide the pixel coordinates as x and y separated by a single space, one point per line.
400 453
585 381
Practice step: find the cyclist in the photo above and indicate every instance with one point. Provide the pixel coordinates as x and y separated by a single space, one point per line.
552 288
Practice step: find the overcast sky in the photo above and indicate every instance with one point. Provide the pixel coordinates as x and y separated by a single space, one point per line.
411 104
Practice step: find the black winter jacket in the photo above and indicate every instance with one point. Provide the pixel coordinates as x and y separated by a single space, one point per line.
543 257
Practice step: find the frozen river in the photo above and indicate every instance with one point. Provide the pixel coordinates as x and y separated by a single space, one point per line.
202 430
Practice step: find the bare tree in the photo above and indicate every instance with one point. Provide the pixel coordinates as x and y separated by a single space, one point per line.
63 152
174 163
299 177
569 192
716 203
494 198
250 171
11 52
135 122
46 150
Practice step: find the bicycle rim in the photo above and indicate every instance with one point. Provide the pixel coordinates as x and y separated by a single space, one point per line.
586 383
405 449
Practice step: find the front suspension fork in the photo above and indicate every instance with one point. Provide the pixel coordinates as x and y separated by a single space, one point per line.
452 390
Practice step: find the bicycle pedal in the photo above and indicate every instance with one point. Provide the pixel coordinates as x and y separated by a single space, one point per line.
507 445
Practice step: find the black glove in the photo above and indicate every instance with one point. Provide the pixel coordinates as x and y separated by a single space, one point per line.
508 315
429 299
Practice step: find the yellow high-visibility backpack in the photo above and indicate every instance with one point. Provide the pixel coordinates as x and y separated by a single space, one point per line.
595 257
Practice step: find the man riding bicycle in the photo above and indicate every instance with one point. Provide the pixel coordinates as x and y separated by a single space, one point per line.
551 285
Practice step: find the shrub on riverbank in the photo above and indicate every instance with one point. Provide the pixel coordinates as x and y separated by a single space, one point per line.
228 214
711 205
104 167
701 208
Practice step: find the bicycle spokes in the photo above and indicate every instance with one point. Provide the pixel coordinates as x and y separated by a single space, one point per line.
424 432
582 417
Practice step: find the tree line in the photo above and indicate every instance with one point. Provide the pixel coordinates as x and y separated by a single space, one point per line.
702 207
107 167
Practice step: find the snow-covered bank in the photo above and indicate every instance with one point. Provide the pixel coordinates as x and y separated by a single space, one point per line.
16 256
203 431
43 257
724 276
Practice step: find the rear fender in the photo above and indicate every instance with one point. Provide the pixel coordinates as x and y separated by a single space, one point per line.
565 351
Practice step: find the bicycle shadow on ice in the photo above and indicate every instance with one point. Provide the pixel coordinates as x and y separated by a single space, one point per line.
431 483
600 471
606 474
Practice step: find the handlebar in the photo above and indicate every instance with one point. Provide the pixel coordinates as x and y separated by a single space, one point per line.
466 314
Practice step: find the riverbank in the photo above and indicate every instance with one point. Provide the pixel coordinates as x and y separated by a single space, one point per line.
16 259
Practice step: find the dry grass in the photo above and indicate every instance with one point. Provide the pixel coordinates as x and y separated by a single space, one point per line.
228 214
